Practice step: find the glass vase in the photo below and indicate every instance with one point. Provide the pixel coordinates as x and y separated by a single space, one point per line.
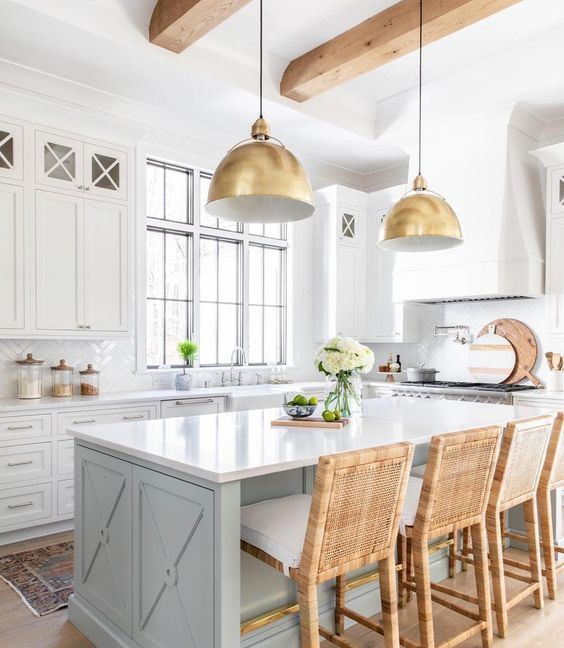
346 395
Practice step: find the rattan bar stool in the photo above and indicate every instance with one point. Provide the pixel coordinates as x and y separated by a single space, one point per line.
552 477
454 494
351 520
518 470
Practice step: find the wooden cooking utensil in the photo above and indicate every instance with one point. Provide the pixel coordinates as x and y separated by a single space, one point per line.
557 361
548 356
491 358
525 345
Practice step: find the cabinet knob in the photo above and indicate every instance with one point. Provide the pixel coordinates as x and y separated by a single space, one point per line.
80 187
86 188
80 326
87 326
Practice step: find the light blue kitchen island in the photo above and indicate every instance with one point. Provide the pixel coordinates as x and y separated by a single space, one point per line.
157 561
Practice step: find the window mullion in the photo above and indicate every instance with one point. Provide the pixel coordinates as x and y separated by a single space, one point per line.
245 283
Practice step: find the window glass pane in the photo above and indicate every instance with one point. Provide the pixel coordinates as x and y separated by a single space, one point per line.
155 264
255 274
208 269
255 334
155 340
208 334
155 191
272 277
228 272
273 230
176 194
176 322
176 266
229 332
272 351
205 218
256 228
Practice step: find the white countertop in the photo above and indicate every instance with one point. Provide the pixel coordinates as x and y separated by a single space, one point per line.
237 445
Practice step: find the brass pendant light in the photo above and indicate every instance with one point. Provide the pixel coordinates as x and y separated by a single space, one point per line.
259 180
422 220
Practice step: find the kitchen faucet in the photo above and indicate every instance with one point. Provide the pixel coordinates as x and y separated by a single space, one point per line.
244 358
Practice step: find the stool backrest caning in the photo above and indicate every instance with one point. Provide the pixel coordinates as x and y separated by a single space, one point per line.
457 480
521 459
355 511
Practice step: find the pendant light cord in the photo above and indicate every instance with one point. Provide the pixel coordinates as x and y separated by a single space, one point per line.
420 74
260 58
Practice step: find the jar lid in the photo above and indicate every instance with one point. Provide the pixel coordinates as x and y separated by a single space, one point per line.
30 360
62 367
88 370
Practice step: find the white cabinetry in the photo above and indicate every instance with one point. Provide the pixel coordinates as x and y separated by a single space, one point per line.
71 164
11 151
81 264
340 262
11 254
192 406
554 255
385 320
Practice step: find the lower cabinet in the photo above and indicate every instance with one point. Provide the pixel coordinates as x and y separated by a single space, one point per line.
143 552
192 406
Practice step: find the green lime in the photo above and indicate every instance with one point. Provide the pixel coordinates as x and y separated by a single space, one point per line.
313 400
329 416
290 403
300 400
337 414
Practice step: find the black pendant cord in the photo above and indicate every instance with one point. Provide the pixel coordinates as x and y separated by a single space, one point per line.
420 74
260 57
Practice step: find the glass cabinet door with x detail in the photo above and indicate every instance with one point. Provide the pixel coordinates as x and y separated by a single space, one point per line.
77 166
11 151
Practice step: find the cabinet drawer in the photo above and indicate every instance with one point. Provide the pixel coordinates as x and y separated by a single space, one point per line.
24 504
192 406
65 497
25 462
105 416
19 427
65 457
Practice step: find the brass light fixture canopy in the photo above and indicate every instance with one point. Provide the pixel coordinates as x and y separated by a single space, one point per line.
260 181
420 221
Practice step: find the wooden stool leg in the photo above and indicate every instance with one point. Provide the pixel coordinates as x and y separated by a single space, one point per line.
309 616
423 592
532 526
465 546
402 574
498 578
453 537
547 535
340 589
389 598
481 574
409 570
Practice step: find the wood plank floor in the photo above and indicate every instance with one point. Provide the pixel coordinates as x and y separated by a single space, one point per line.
529 628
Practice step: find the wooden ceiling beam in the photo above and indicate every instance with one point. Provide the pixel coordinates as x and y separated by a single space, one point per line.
386 36
176 24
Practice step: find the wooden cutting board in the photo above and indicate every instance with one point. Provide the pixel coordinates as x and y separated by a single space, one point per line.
311 421
525 344
491 358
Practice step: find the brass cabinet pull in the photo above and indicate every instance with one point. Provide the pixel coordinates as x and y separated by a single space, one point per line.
17 506
20 427
20 463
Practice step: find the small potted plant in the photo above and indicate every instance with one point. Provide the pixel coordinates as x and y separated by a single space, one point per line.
188 351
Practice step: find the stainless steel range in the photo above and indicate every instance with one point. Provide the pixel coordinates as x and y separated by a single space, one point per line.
462 391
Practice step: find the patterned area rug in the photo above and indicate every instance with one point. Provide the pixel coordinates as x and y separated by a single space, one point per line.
43 577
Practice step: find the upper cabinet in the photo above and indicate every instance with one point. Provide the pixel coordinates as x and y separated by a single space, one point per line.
74 165
11 151
11 257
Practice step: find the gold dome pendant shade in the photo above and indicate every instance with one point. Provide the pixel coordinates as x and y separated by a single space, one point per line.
421 221
260 181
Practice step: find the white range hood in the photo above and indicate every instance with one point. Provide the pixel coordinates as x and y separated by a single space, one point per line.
485 171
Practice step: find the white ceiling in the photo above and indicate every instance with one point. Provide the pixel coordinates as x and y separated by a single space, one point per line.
364 125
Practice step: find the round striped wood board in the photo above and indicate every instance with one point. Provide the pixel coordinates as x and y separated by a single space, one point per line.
491 359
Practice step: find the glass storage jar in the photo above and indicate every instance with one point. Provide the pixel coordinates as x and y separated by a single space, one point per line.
29 377
61 379
89 381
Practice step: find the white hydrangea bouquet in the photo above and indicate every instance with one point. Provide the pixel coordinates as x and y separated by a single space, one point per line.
344 358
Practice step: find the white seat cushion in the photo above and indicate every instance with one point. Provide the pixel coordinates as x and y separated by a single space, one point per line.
418 471
278 527
411 502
